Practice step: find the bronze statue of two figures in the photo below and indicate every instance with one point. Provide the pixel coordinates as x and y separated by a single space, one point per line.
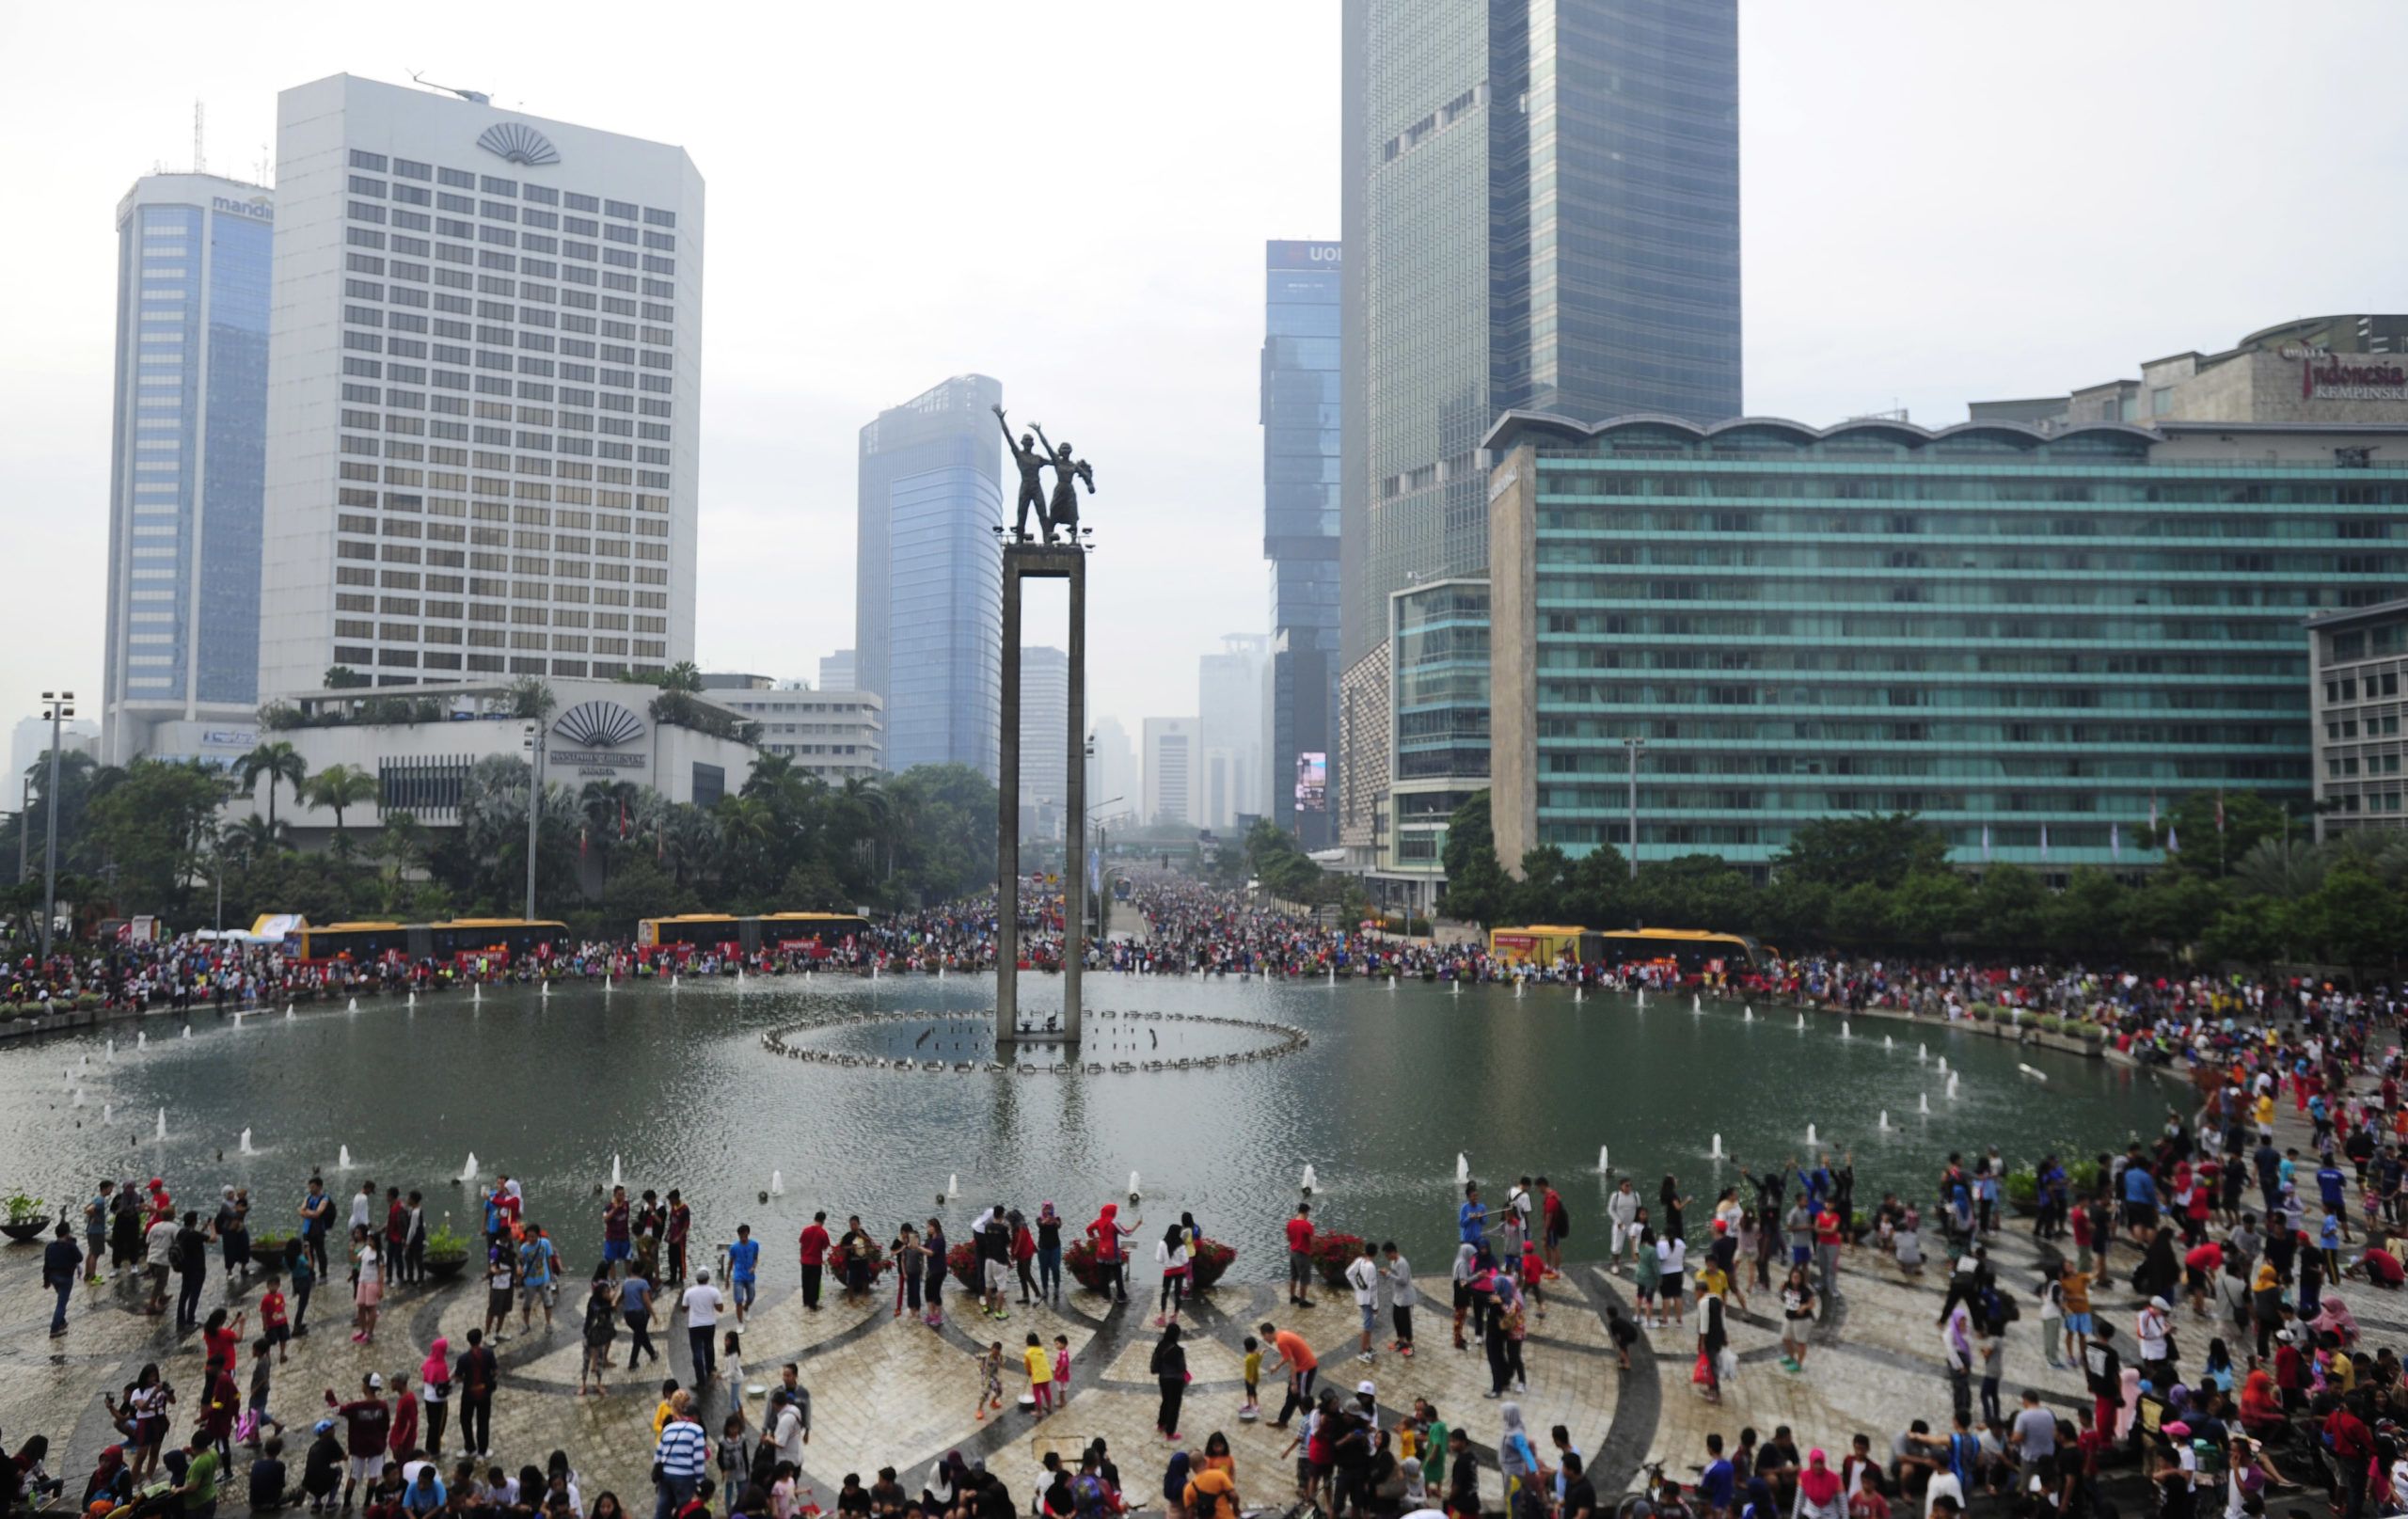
1033 453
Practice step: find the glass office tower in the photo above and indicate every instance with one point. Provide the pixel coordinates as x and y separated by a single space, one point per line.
928 603
195 260
1300 533
1540 209
2032 638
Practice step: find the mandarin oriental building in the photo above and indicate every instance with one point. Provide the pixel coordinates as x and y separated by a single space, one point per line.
2031 636
485 358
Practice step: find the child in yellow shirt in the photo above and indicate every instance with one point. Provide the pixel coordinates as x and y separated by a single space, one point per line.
1040 1374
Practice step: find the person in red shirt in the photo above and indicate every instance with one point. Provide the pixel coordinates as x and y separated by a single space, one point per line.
2200 1266
815 1259
2352 1453
396 1226
1107 1231
403 1440
1300 1255
366 1423
221 1340
681 1225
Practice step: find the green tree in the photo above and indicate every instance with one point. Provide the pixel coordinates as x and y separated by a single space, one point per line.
343 678
2087 918
278 761
2355 921
154 827
1931 908
1870 848
339 788
2013 907
2202 847
1477 888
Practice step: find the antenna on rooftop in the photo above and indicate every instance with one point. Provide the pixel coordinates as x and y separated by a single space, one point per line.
199 158
267 164
478 96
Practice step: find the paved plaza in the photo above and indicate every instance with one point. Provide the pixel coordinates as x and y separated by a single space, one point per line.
887 1390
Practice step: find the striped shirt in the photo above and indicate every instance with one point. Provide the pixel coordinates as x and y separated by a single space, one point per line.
684 1450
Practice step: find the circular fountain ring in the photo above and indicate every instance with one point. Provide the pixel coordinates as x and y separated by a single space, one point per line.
794 1043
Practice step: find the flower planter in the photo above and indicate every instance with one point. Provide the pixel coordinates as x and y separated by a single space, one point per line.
444 1268
26 1232
1332 1254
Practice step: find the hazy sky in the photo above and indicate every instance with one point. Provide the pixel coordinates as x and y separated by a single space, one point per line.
1942 203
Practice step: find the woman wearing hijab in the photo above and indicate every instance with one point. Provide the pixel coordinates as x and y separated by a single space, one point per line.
111 1481
1175 1479
2160 1270
2266 1306
1464 1270
1170 1366
435 1393
1106 1233
1818 1491
1517 1460
1049 1253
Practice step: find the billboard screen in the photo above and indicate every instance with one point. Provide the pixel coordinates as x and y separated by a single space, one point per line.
1313 781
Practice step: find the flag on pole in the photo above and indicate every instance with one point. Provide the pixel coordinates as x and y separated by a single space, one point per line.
1986 844
2115 841
2173 842
2152 808
2044 841
2219 811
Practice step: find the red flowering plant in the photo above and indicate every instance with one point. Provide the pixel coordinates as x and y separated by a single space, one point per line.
1333 1254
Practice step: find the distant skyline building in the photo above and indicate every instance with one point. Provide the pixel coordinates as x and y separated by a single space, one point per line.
837 671
1114 781
1171 759
1044 720
1540 209
29 744
1300 454
928 589
1228 719
484 436
834 736
188 437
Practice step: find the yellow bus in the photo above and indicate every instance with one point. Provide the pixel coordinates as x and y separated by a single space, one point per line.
1692 951
1536 945
459 940
818 932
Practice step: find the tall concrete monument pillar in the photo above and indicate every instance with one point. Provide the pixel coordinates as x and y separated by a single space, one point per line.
1024 560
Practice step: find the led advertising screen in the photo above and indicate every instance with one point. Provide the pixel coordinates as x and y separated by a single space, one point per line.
1312 781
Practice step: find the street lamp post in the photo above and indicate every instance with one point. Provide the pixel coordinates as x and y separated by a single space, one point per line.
531 741
1634 745
59 706
25 818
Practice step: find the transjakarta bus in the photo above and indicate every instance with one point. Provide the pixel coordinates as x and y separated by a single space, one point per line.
816 932
461 940
1688 951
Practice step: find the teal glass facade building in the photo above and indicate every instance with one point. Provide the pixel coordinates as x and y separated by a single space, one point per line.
188 456
2029 638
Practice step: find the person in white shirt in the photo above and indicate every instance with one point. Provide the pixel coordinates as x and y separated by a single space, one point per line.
2151 1326
1363 1276
1622 1209
1671 1257
703 1307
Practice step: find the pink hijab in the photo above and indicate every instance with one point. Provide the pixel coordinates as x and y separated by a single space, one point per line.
435 1372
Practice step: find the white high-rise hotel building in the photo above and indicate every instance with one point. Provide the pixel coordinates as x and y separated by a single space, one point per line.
484 371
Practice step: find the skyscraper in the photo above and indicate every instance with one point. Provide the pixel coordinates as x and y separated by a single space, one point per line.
1171 759
1540 208
1300 451
1229 722
928 595
193 263
1044 738
483 443
1114 782
836 671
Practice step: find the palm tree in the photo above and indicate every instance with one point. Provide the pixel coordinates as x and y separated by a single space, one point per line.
682 677
338 787
278 761
606 806
251 840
